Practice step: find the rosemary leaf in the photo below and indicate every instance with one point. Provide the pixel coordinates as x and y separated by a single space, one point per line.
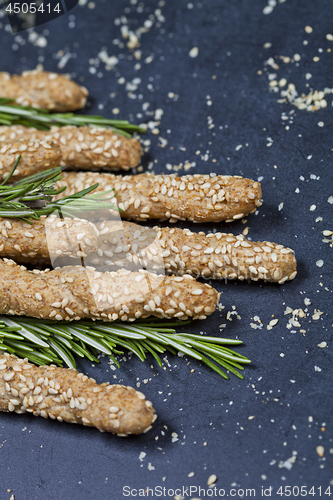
31 197
46 341
13 114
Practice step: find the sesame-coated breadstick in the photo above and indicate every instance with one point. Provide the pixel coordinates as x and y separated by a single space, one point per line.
67 395
48 237
198 198
120 244
43 90
90 148
36 156
95 147
180 251
75 292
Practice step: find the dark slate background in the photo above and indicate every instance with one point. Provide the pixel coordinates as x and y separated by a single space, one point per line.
290 400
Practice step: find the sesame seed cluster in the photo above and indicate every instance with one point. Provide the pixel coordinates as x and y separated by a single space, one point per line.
197 198
37 155
76 292
67 395
90 148
43 90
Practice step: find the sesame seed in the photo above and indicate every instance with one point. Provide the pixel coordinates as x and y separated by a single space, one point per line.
274 257
194 52
212 479
114 409
238 216
262 270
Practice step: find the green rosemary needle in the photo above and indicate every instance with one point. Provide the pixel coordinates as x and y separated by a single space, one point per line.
47 341
32 197
42 119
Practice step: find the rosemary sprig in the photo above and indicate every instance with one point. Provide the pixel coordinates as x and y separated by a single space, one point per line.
32 197
47 341
13 114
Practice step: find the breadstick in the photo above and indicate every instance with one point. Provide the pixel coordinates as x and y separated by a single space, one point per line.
119 244
90 148
95 147
181 251
36 156
67 395
43 90
47 238
75 292
198 198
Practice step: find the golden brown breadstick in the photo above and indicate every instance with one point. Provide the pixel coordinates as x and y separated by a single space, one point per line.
75 292
95 147
43 90
90 148
67 395
36 156
120 244
198 198
47 238
180 251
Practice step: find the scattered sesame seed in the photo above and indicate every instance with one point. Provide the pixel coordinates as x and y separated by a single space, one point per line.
212 479
194 52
